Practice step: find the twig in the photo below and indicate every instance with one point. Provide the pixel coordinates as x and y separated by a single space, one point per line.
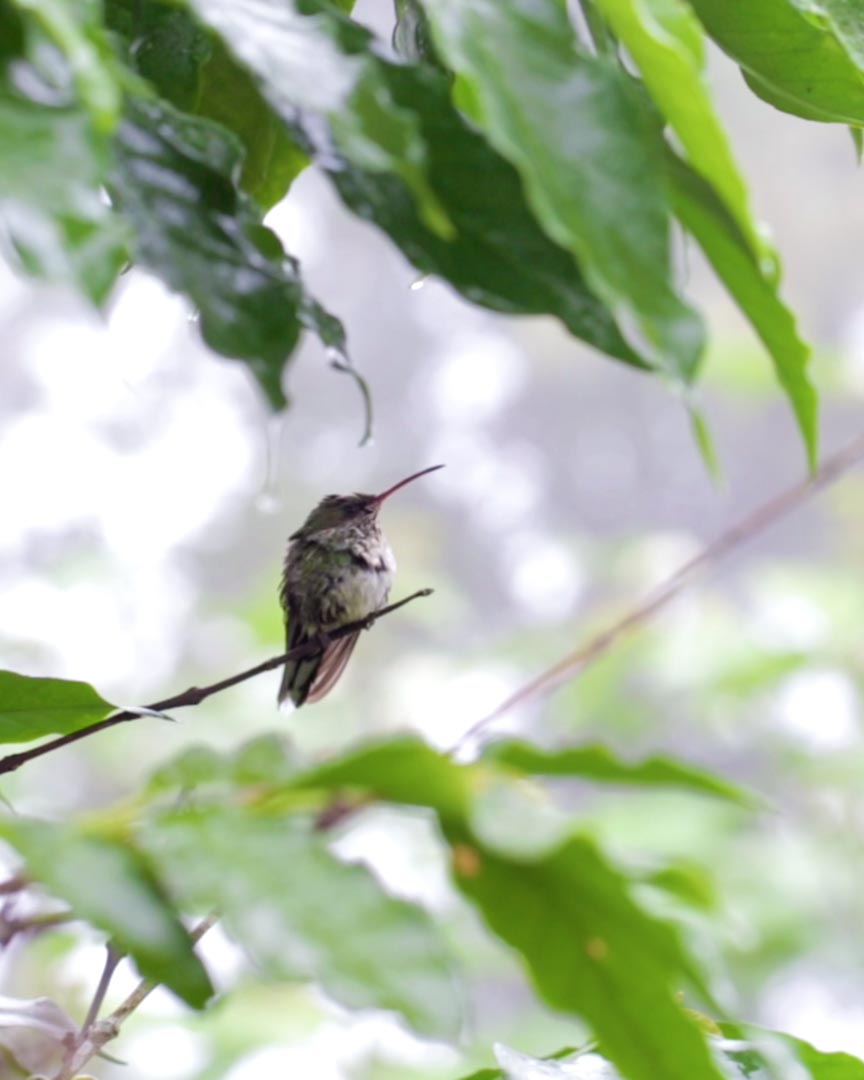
112 959
96 1033
196 694
574 663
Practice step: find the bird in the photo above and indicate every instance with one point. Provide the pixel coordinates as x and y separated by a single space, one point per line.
338 569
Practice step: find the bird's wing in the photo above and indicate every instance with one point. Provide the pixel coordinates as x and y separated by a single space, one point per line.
297 675
331 665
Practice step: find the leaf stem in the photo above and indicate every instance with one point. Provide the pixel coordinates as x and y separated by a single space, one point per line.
96 1033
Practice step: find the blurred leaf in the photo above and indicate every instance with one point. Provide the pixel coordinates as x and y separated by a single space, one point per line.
228 95
412 37
687 882
592 951
76 29
328 75
567 1064
741 1055
752 1061
166 46
599 763
175 182
726 248
577 129
858 142
801 56
193 70
403 770
704 441
665 40
112 886
33 707
303 914
51 169
192 767
266 759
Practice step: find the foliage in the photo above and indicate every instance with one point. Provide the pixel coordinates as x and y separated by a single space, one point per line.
500 152
516 156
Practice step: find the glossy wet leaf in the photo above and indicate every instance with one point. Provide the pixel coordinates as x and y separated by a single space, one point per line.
590 950
301 913
228 95
599 763
112 886
754 290
31 707
499 256
165 45
492 248
77 31
666 41
174 182
587 148
51 168
305 58
804 58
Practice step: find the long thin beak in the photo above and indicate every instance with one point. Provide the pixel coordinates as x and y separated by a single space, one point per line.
414 476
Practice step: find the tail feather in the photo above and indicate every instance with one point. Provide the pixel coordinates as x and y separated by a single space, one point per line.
310 679
332 664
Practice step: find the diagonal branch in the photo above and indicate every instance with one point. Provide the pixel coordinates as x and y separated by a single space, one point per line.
754 523
196 694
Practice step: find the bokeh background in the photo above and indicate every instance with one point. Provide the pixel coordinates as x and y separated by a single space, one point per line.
146 493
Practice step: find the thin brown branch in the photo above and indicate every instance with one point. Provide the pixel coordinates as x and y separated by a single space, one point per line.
196 694
96 1033
754 523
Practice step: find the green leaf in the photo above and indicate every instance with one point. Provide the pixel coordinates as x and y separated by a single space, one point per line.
666 41
402 770
750 1059
755 292
599 763
75 27
32 707
326 75
303 914
228 95
802 57
112 886
51 169
685 881
590 950
266 760
565 1065
499 257
412 37
165 44
495 253
175 183
578 131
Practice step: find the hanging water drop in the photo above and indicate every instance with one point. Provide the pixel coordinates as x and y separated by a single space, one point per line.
418 283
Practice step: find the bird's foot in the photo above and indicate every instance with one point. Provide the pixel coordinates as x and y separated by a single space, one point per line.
323 640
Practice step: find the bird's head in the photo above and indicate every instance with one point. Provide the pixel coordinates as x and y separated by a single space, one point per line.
335 511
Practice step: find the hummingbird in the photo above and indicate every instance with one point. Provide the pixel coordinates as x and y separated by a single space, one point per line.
338 569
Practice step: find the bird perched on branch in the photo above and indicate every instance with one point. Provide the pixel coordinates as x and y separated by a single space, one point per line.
338 569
